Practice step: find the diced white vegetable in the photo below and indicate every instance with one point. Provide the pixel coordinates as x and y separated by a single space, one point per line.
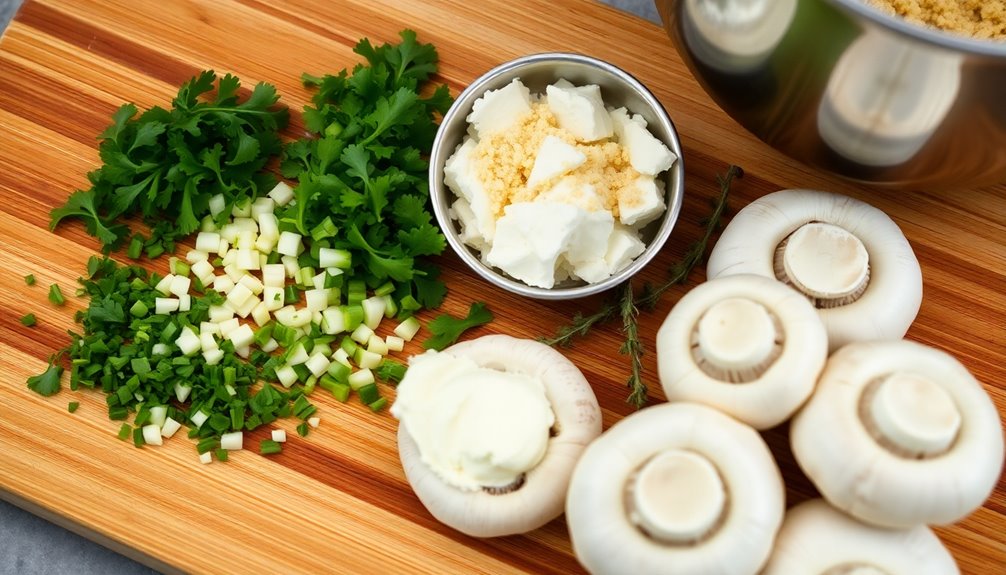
279 435
274 275
247 258
342 357
272 297
238 295
164 286
360 378
195 256
169 427
270 345
208 242
242 336
262 258
291 266
281 194
229 325
334 258
214 356
367 359
247 307
407 329
182 391
317 364
373 311
362 334
217 204
316 317
318 281
209 327
289 244
298 355
206 457
316 299
232 441
293 318
223 284
251 282
263 205
180 285
207 342
376 345
152 435
286 375
204 271
188 341
219 313
207 224
333 321
230 390
160 349
241 209
394 343
264 244
314 421
199 418
260 313
224 248
165 305
268 227
184 302
243 351
158 414
232 270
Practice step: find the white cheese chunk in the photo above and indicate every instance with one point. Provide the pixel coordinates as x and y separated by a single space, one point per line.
640 203
568 190
554 158
624 246
647 154
580 111
461 178
529 238
469 235
589 241
499 109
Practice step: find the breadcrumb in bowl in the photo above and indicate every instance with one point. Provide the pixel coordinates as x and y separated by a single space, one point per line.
979 19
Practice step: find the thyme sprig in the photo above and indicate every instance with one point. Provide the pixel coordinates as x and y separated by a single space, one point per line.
626 305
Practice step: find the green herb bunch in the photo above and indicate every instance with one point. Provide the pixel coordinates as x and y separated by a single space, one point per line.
363 177
165 165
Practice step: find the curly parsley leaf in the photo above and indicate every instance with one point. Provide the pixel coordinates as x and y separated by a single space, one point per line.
48 382
446 329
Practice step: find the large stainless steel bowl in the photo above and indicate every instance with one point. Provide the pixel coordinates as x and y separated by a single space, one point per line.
842 86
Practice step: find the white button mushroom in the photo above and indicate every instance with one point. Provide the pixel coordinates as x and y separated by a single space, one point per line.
899 434
849 258
675 488
817 539
510 499
746 345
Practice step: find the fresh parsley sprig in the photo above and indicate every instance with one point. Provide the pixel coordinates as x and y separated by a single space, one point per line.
446 329
165 165
625 304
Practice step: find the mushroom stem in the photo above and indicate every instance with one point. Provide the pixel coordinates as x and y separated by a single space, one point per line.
736 340
677 497
855 569
825 262
910 415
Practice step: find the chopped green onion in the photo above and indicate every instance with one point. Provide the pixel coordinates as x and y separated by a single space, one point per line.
291 294
325 229
28 320
207 444
29 279
138 309
138 437
155 250
124 431
135 247
269 447
73 405
56 295
303 429
378 405
369 393
386 289
221 455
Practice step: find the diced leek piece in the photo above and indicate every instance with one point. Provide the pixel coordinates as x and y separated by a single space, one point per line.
281 194
367 359
232 441
188 342
158 415
318 363
289 244
334 258
274 275
206 457
242 336
260 313
269 346
184 302
170 427
214 356
286 375
377 345
360 378
316 299
164 286
217 204
199 418
394 343
362 334
152 435
278 435
227 326
182 392
373 311
252 283
407 329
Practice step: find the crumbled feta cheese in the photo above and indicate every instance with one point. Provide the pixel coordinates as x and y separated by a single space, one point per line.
580 111
462 212
624 246
640 203
499 109
460 177
529 238
647 154
570 190
590 238
554 158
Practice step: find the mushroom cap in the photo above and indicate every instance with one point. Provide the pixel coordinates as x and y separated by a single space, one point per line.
606 541
887 307
540 498
858 475
815 538
778 392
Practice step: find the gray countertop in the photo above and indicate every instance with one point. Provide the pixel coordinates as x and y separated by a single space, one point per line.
30 545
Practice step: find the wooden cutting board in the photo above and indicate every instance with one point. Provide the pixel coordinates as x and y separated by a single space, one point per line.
338 501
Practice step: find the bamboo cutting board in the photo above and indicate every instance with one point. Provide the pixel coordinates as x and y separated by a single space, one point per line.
338 501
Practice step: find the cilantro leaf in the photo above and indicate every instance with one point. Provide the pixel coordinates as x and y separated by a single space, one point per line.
391 371
446 329
81 204
48 382
422 240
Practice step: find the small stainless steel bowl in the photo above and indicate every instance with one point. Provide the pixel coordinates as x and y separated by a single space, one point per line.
842 86
537 71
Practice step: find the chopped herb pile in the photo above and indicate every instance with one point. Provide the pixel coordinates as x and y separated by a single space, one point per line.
363 178
166 164
446 329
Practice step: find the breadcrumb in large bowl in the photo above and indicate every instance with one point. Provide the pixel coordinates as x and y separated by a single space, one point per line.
979 19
